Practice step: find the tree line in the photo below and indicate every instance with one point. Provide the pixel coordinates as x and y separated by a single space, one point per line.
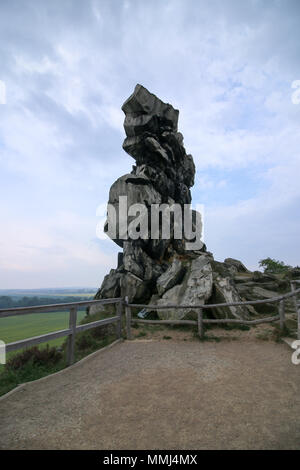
9 302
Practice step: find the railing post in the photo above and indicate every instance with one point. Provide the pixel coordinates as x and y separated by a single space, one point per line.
293 288
119 322
200 323
71 338
281 314
128 318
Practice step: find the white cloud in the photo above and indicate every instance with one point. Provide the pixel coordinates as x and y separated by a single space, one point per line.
68 67
54 249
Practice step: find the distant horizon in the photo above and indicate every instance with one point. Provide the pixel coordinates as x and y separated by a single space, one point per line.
250 268
47 288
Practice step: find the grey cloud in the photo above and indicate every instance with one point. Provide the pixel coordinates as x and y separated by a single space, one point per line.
218 61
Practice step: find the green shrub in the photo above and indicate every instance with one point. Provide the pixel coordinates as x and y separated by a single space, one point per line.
27 367
84 341
141 334
273 266
40 357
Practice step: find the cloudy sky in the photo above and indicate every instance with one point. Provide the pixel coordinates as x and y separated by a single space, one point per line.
68 65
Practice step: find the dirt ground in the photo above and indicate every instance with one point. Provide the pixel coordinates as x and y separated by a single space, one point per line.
170 391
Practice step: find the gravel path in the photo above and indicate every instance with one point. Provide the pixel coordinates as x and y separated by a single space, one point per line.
162 395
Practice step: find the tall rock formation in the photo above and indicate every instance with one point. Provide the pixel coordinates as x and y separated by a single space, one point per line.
152 268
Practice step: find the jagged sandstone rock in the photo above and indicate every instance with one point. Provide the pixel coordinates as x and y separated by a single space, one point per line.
163 271
172 276
235 266
195 289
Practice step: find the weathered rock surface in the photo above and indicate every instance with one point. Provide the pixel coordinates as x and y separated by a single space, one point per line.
172 276
235 266
195 289
159 270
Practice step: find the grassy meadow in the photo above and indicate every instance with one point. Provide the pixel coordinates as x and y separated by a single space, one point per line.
20 327
33 363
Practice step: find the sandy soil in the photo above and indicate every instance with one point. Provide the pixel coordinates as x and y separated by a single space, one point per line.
163 394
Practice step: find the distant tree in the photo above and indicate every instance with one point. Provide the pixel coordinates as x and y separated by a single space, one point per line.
273 266
6 301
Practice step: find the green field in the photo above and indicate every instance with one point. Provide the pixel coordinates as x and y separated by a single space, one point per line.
20 327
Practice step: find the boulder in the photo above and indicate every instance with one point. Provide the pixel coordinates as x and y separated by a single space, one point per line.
252 291
172 276
195 289
110 286
134 288
235 265
225 292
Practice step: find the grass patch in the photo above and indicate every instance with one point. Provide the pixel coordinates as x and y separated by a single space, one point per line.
187 328
217 339
235 326
30 364
148 327
265 335
278 334
205 337
37 362
228 326
274 333
19 327
142 334
9 379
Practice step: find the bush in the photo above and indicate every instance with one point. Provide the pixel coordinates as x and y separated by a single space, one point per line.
11 378
40 357
273 266
84 341
93 339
